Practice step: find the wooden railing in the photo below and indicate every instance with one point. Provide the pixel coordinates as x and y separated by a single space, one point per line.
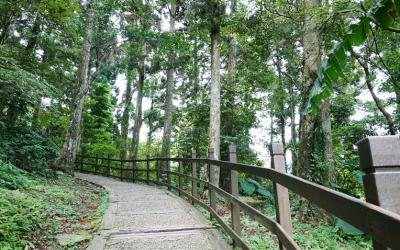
381 224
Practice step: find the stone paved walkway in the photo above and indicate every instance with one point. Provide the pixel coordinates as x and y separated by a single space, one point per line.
144 217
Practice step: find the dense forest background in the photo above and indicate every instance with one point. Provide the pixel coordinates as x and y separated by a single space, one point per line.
74 76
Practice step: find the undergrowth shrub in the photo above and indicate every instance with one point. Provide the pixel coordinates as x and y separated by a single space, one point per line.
13 178
20 214
27 148
35 209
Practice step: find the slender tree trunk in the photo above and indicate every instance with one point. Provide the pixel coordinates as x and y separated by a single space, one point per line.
36 113
151 129
378 102
293 139
271 128
312 51
33 39
281 102
5 30
397 114
215 106
231 81
126 115
138 117
196 71
170 84
72 139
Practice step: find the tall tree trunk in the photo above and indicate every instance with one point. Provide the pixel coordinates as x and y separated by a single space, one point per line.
126 115
293 138
326 144
281 102
312 51
138 117
151 128
170 84
215 105
231 80
72 139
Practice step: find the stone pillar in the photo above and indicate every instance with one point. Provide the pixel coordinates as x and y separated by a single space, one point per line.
380 160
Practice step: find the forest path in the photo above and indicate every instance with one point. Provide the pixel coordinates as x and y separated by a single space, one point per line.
145 217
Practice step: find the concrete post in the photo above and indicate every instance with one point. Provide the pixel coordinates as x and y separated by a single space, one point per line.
282 203
180 177
96 164
235 210
194 174
380 160
108 170
147 170
211 172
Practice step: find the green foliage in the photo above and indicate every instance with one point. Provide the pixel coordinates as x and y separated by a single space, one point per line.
102 149
19 215
249 186
36 209
384 14
13 178
20 89
27 148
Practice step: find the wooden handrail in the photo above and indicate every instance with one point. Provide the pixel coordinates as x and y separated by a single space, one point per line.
382 225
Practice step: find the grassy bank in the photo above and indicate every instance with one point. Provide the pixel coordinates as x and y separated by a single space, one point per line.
49 212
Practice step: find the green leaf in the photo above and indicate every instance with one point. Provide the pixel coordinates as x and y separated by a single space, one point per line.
383 13
254 182
247 187
359 32
264 192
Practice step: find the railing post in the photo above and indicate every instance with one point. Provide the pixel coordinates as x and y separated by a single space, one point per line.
194 175
108 165
158 166
235 210
180 174
168 164
147 169
211 174
380 160
133 170
82 158
281 193
121 167
95 164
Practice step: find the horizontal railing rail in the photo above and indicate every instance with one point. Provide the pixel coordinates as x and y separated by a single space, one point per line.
381 224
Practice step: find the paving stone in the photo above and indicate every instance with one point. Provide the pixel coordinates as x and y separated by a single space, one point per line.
69 239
